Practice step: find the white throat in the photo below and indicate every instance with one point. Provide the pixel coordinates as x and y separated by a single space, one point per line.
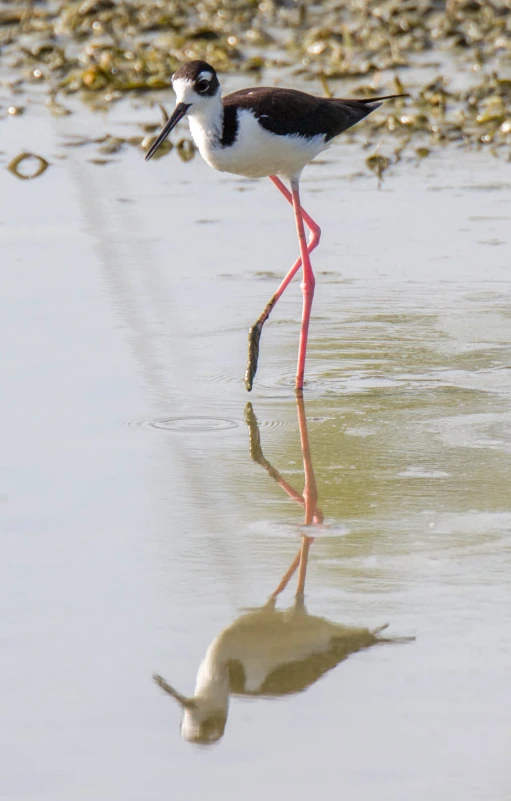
210 700
212 682
205 115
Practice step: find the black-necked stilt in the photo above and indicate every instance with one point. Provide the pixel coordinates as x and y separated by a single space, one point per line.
265 653
264 132
268 652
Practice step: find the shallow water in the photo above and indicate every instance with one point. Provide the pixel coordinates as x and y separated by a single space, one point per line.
136 526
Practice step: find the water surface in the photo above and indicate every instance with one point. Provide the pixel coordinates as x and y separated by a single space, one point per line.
136 526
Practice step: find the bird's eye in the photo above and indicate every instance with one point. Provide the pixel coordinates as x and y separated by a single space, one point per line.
202 86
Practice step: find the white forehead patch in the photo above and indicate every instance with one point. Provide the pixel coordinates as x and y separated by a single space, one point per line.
182 87
206 75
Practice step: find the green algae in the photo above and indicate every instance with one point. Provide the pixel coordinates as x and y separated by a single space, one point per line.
102 51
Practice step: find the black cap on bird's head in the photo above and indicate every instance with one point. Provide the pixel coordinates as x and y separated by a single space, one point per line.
200 75
194 84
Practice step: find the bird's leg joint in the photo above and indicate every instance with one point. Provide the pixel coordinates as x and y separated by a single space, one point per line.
307 286
315 236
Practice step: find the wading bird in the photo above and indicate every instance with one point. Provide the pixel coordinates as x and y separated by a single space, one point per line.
269 652
263 132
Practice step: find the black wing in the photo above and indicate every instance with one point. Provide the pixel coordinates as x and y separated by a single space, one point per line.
288 111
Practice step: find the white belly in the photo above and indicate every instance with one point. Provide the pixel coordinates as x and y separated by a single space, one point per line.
256 152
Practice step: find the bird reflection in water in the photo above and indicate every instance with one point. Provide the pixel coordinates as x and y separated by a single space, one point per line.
268 652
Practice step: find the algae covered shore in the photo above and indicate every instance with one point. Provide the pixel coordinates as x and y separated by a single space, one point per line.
453 58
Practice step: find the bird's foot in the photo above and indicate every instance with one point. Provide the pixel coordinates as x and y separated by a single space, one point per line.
254 335
254 436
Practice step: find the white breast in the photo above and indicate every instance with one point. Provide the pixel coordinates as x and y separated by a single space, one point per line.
256 152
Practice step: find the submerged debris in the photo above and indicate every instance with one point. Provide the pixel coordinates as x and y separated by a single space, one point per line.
185 149
378 164
164 148
41 165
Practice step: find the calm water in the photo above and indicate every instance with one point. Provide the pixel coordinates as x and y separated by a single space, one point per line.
136 527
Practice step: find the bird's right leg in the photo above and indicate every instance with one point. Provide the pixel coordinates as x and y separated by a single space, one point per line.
254 334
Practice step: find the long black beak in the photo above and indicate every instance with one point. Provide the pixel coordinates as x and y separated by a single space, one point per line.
185 703
178 113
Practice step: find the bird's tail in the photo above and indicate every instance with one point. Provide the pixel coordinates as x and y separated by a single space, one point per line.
368 100
377 631
354 110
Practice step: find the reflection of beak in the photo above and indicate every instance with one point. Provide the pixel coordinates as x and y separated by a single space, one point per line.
178 113
186 703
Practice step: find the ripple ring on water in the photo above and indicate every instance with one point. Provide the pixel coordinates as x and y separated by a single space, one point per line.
197 425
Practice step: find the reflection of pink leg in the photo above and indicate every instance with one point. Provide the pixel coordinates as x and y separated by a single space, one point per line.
254 334
309 495
309 498
304 558
307 285
288 575
300 561
310 491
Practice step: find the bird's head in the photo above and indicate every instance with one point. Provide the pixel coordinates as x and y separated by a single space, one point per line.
202 722
196 86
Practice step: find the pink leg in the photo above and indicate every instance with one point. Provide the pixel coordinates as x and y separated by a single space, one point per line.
309 222
310 492
304 558
254 334
307 285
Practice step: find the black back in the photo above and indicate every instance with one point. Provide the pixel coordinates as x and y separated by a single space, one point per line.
281 111
289 111
295 677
